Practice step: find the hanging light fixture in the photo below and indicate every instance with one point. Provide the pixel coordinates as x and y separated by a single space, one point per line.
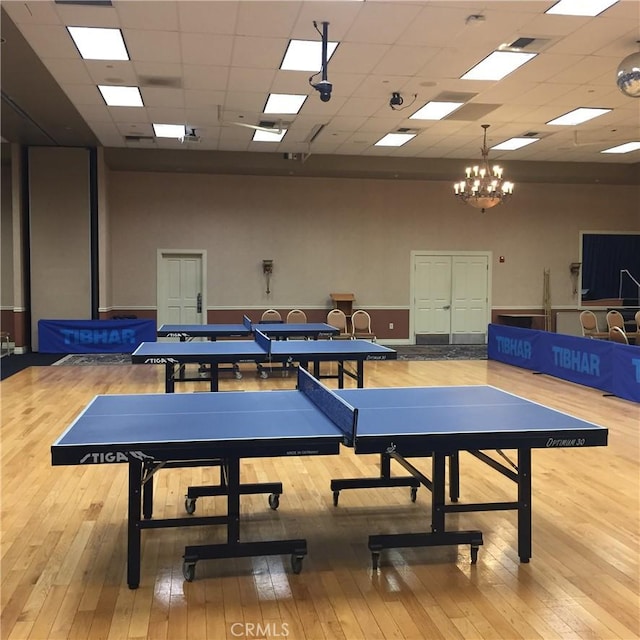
483 187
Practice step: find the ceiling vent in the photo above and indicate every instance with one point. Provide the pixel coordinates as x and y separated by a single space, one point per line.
134 138
530 45
454 96
161 82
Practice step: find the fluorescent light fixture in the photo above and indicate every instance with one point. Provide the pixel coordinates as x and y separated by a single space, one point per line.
497 65
177 131
578 116
580 7
394 139
268 136
121 96
284 103
435 110
514 143
627 147
305 55
95 43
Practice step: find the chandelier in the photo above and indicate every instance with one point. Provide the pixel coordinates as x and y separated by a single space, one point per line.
483 187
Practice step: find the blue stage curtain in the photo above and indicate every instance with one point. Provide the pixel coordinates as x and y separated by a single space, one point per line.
603 258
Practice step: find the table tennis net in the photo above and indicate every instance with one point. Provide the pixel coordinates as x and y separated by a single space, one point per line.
263 341
340 412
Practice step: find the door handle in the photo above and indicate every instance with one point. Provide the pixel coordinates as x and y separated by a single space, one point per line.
199 303
447 306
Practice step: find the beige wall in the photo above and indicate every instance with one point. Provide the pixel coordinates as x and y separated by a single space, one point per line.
60 234
352 235
6 239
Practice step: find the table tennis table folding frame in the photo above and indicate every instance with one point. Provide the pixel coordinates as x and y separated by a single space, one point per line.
262 350
338 421
275 330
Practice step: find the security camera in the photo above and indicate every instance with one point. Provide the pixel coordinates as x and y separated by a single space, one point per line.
324 87
396 100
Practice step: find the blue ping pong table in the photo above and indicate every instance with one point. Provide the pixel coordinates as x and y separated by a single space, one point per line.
174 355
148 432
280 330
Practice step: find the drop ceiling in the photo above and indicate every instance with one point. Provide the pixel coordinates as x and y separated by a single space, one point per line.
209 64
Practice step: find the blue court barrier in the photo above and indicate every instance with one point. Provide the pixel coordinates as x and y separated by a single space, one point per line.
609 366
94 336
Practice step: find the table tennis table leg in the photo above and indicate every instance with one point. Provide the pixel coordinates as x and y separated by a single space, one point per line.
524 504
233 547
215 374
133 524
438 534
169 377
384 480
454 476
360 378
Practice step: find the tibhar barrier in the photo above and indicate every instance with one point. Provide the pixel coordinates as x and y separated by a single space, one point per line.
94 336
609 366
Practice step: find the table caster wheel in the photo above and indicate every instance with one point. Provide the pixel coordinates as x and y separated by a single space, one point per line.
336 496
274 501
296 563
190 505
414 493
189 571
238 375
264 375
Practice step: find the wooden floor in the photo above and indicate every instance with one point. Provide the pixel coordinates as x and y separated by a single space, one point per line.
64 531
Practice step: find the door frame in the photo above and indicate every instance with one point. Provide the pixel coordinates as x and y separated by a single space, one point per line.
164 253
451 253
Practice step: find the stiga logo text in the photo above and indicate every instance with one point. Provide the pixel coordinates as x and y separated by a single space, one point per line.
160 361
111 457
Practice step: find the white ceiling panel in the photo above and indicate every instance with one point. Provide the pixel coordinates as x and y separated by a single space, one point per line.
196 58
153 46
202 48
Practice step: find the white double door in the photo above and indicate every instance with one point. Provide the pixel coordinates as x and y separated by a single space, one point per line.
451 297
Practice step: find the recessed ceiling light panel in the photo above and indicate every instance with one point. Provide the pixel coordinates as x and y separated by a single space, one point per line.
284 103
268 136
306 55
177 131
497 65
627 147
514 143
95 43
580 7
578 116
117 96
394 139
435 110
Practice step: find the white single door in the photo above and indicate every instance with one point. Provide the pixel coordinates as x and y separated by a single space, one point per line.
180 288
432 282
